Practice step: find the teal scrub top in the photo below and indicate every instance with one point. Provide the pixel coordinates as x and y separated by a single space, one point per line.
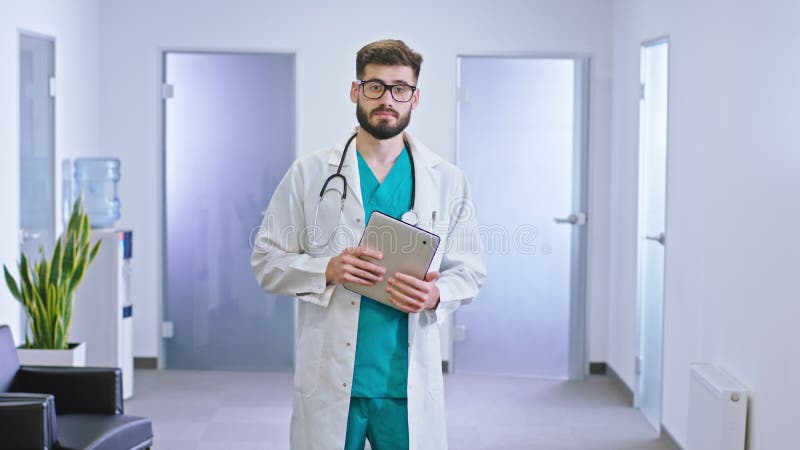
381 368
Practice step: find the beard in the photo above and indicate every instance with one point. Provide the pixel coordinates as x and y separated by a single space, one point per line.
382 130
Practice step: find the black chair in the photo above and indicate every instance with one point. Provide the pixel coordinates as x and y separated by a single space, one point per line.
64 408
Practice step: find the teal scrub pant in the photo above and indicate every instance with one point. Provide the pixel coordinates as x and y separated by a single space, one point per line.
384 421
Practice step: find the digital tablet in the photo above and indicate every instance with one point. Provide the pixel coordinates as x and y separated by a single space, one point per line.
405 248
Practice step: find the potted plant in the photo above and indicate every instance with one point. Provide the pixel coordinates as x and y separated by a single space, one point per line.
45 291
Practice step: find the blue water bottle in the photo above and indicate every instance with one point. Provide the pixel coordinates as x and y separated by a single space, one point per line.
96 183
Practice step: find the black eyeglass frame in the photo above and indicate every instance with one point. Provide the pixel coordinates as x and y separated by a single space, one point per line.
386 87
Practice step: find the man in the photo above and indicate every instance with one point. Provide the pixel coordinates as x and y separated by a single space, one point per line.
364 370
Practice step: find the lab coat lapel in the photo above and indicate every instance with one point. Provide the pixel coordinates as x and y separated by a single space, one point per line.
427 187
426 194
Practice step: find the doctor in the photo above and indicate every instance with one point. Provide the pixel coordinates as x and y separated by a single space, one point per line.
363 370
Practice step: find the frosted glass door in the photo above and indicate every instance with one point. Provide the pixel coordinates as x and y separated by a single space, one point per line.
229 139
36 144
652 237
517 144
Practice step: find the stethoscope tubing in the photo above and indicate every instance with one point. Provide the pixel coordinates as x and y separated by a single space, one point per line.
410 216
338 174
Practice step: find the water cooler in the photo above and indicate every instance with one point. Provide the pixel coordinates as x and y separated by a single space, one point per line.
103 311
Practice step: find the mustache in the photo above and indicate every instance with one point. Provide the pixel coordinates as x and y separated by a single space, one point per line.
384 110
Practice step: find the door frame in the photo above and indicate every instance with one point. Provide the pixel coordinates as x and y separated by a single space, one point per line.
161 56
637 390
578 355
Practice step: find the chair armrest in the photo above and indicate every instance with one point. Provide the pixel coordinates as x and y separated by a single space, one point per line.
27 421
78 390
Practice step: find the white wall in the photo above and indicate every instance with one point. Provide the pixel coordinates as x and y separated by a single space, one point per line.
325 37
74 25
734 178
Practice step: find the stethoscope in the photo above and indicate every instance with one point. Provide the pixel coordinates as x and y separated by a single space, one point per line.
410 217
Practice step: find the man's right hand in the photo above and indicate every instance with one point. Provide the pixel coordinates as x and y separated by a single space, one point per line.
348 267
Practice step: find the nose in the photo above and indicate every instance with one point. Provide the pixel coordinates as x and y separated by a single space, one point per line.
387 99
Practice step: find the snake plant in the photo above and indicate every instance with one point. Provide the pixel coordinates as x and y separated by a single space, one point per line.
46 288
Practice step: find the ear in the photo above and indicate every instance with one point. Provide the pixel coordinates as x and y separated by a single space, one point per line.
354 92
415 99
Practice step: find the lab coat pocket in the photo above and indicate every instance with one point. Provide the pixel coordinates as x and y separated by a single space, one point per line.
435 378
309 356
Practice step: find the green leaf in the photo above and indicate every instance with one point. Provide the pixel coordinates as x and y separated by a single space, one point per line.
94 251
24 273
12 285
85 230
39 323
24 290
77 275
68 305
44 272
57 318
53 312
74 216
69 259
55 264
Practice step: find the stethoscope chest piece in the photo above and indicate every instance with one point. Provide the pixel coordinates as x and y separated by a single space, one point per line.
410 217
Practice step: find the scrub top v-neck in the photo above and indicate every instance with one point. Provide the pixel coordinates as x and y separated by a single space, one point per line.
381 367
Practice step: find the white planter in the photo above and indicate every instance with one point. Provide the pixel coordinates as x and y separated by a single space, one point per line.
74 356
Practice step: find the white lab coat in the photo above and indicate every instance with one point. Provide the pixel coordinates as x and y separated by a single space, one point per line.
328 315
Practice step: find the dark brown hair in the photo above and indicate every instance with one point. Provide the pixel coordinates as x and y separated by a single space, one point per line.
389 52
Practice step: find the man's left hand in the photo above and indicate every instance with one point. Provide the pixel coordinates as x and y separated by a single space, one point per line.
413 295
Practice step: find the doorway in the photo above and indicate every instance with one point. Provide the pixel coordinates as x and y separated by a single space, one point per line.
229 137
521 140
36 144
651 234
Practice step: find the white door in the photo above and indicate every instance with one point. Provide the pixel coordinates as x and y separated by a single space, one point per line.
521 143
652 224
229 139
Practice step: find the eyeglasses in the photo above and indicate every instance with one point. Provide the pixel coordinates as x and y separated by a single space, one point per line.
375 89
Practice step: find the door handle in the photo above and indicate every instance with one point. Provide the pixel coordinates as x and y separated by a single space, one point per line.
573 219
661 238
26 235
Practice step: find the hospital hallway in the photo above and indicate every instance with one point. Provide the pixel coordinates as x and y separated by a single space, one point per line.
206 410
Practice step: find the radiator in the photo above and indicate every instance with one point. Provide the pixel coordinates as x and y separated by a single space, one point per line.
717 410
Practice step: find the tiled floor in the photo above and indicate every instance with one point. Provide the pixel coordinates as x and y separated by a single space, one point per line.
247 410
